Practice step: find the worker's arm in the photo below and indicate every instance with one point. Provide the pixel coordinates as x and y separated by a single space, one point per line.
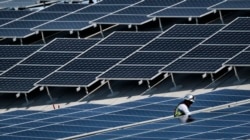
184 109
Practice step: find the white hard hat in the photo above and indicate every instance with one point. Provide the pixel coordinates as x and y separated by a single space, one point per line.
189 97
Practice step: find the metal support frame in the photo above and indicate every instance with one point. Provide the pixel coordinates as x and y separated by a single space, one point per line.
86 90
43 38
212 77
160 24
110 88
26 98
173 81
21 41
196 20
221 17
100 26
148 84
136 28
236 74
50 97
78 35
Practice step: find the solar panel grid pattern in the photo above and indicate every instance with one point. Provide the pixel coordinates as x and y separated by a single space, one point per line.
198 3
7 63
233 5
240 24
181 12
87 118
241 59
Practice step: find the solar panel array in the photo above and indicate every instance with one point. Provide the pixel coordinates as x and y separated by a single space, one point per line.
23 76
83 70
233 5
187 9
18 3
86 118
145 63
136 14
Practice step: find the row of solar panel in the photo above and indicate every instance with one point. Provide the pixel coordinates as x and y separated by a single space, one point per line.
86 118
142 64
59 17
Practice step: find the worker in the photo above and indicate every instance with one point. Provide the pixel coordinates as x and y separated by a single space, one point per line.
182 110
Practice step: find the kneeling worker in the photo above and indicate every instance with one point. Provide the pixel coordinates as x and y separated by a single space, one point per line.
182 110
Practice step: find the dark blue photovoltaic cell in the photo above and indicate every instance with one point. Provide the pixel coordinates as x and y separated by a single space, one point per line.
69 44
20 112
115 2
47 58
72 129
108 109
7 14
21 71
138 10
233 4
161 44
215 135
17 51
129 38
242 59
121 118
229 38
152 58
38 116
20 137
64 8
145 113
239 24
164 134
39 16
198 3
190 128
101 9
219 98
109 51
158 107
91 65
16 85
215 51
19 33
7 63
23 24
69 79
182 12
44 134
87 106
243 129
226 92
218 123
136 72
195 65
63 25
123 19
188 31
96 123
80 17
3 21
235 117
162 3
206 103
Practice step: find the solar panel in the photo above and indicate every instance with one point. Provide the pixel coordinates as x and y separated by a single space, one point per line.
191 31
162 44
215 51
115 2
129 38
80 17
131 72
11 14
240 24
38 16
18 33
50 58
198 3
160 3
182 12
22 71
123 19
152 58
242 59
101 9
19 51
16 85
3 21
110 51
134 10
195 66
89 65
65 8
7 63
62 25
69 45
22 24
233 5
224 37
69 79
